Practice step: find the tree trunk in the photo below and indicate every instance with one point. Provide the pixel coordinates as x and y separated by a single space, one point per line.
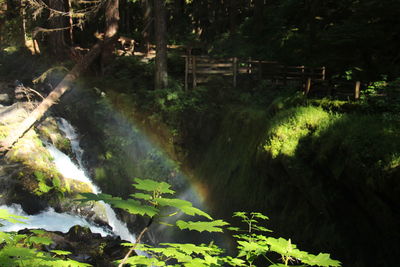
3 13
14 32
71 24
233 13
53 97
178 17
24 21
147 20
161 75
112 18
258 14
57 40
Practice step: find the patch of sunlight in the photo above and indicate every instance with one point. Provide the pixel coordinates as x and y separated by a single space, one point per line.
10 49
394 162
290 126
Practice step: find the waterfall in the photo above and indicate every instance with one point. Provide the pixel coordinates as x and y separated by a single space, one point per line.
53 221
49 220
71 134
70 170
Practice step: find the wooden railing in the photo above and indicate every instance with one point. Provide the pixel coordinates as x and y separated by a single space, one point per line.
201 69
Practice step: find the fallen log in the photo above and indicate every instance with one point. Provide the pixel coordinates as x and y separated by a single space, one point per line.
54 96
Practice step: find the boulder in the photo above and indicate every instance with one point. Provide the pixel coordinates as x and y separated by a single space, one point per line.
13 114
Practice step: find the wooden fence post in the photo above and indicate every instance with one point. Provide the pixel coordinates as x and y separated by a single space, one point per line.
285 75
186 72
308 86
357 90
303 82
234 71
323 73
194 71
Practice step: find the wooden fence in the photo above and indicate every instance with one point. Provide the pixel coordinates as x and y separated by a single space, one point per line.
201 69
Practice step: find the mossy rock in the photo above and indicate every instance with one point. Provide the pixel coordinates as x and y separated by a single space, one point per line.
76 187
49 131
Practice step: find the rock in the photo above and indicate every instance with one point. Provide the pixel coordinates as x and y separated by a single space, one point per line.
79 233
13 114
85 246
49 131
5 99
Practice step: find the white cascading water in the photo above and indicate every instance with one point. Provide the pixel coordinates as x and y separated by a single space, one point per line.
49 220
53 221
69 170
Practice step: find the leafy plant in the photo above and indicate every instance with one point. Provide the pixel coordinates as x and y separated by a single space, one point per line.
252 245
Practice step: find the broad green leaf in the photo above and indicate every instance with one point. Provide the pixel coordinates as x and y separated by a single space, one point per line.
5 237
135 207
43 188
196 262
212 226
171 252
261 228
142 260
37 231
142 196
61 252
66 263
153 186
191 248
185 206
210 260
322 259
281 245
255 248
234 261
234 229
240 214
5 215
259 215
132 206
20 256
40 240
18 252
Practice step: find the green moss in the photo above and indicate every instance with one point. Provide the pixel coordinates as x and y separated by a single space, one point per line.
365 144
74 186
288 127
48 130
100 174
39 175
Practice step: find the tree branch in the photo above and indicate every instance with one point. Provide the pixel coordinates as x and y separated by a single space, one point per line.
137 241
